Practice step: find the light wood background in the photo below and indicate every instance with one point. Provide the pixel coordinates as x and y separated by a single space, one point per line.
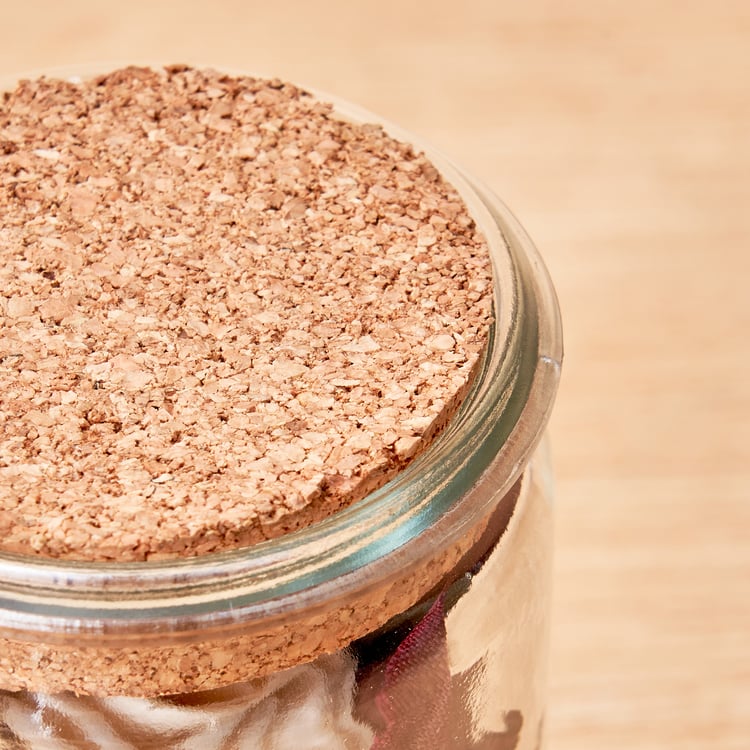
619 132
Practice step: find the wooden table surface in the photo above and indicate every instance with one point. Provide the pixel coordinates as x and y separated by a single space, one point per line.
620 135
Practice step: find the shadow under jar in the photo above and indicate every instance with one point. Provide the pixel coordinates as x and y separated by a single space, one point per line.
414 619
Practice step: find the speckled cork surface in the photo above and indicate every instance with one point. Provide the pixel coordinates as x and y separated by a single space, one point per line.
224 312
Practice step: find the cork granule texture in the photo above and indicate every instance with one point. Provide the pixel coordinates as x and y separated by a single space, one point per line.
225 312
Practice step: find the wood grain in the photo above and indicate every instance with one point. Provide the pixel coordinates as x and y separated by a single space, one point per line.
618 132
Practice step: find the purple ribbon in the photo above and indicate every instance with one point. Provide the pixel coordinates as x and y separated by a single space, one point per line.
422 707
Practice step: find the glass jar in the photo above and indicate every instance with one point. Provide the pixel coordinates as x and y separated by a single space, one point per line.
415 619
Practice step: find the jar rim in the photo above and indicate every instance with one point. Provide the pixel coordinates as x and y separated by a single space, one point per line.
496 428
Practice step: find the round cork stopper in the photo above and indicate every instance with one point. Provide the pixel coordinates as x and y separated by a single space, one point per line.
225 312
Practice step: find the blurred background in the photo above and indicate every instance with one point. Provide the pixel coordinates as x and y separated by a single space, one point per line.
619 133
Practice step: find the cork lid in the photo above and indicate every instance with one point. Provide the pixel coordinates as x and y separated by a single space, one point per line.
225 312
